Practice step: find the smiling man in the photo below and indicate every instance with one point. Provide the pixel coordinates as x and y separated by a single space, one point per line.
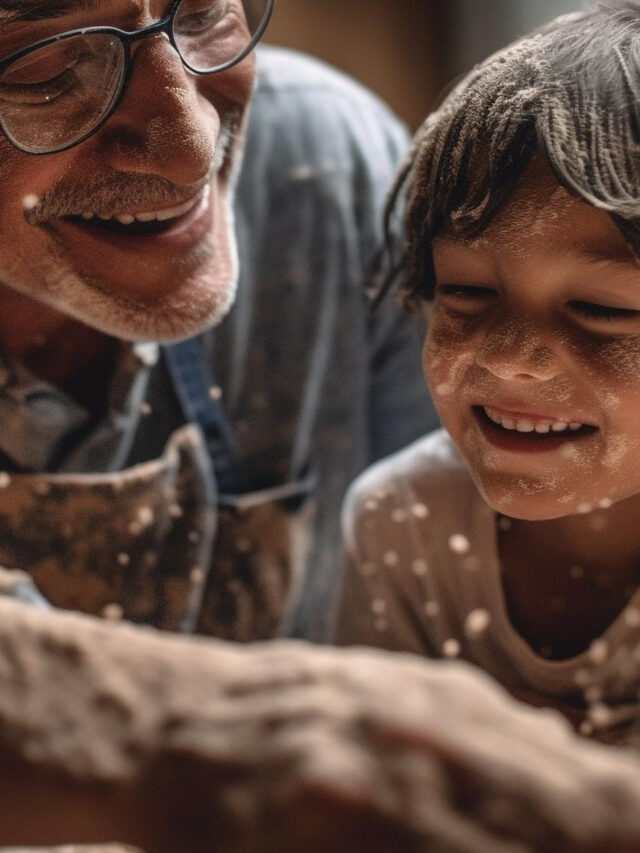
188 485
108 497
149 192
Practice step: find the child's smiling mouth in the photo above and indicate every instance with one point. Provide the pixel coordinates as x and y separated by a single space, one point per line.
530 423
521 432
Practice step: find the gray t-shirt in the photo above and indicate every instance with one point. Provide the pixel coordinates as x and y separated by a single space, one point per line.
423 575
311 383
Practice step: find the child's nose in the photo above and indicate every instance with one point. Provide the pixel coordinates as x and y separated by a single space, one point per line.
515 350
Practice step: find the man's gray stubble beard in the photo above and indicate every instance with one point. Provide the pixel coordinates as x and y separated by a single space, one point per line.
89 301
69 291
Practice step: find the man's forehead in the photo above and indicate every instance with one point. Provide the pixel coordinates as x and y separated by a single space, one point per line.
43 10
39 10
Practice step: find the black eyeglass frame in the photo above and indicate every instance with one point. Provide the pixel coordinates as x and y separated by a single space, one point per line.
127 38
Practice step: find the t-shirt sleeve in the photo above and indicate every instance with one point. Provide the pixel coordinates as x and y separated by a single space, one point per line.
355 623
379 599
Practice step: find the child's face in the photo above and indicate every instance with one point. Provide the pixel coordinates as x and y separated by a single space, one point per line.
533 354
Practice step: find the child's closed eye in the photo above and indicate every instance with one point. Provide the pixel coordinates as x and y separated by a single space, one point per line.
466 291
596 311
465 300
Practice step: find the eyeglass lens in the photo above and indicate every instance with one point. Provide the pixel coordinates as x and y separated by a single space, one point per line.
56 95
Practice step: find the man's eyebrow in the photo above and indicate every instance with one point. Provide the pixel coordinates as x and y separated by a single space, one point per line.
41 10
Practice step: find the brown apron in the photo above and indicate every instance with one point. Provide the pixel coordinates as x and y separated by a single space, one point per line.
150 544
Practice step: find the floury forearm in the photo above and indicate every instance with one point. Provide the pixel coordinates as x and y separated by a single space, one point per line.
114 732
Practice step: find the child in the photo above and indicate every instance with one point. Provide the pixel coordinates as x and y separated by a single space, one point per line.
512 539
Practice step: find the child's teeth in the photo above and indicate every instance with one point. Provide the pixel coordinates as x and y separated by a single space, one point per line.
525 425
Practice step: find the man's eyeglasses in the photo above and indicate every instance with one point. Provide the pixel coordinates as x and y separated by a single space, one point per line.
57 92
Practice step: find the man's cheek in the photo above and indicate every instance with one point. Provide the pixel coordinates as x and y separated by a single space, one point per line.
8 153
27 174
15 194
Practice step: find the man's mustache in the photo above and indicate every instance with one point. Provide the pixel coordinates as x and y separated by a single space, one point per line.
109 191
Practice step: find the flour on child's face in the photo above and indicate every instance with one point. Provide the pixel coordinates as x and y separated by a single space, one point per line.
533 354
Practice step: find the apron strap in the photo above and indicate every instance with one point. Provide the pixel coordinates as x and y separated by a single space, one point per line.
193 382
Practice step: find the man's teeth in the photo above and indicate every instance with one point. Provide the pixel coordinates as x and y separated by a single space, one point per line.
145 216
524 425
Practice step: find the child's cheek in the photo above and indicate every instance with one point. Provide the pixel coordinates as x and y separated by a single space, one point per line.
613 367
618 358
613 372
449 351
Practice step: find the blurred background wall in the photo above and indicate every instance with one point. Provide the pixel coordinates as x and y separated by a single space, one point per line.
407 50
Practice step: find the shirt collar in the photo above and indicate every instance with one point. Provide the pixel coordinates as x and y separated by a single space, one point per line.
39 420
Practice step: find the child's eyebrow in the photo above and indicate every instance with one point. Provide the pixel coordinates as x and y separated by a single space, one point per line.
610 258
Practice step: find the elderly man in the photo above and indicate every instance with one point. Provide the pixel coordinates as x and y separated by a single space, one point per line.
118 155
187 486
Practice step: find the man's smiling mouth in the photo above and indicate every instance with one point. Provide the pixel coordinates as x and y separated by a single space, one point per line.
142 222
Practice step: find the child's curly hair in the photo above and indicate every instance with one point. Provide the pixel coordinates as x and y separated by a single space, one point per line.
571 91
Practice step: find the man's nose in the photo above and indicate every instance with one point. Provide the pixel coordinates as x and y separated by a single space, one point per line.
161 126
519 350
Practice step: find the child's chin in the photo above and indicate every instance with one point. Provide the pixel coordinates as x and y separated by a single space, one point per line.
527 507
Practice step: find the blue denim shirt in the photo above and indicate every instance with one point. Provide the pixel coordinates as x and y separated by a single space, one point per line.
311 381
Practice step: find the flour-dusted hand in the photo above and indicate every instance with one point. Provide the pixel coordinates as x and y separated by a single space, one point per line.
20 586
177 744
73 848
